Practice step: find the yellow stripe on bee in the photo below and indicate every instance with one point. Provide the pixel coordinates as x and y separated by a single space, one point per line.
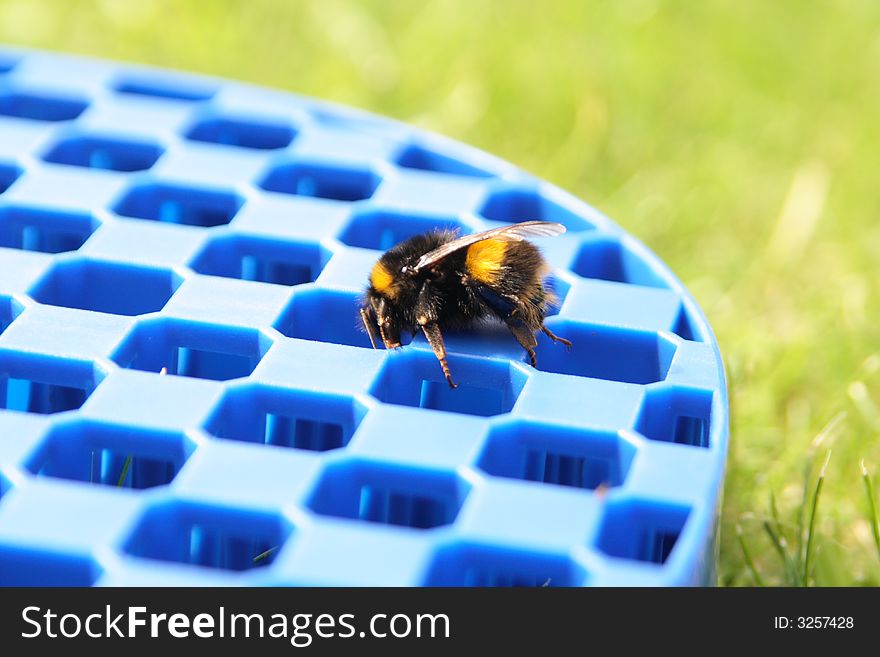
485 259
381 280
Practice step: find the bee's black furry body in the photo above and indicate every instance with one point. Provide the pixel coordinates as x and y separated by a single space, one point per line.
439 281
458 299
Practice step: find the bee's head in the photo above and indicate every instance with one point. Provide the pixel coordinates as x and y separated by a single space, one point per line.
394 287
388 299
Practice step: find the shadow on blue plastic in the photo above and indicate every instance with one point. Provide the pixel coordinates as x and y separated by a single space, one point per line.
515 205
471 564
112 455
49 385
31 566
261 259
676 414
287 418
211 536
339 182
559 288
8 62
607 259
47 231
175 204
327 316
262 134
7 312
385 494
685 326
413 377
8 175
382 229
161 85
641 530
606 352
425 159
104 153
559 455
184 348
40 107
118 289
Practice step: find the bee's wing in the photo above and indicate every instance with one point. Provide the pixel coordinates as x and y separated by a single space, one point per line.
514 232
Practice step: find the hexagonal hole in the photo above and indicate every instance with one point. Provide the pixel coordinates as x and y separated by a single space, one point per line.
676 414
104 153
28 566
118 289
326 316
8 175
261 259
383 229
46 231
640 530
390 495
201 351
605 258
426 159
516 205
339 183
211 536
175 204
496 566
606 352
45 386
263 134
111 455
287 418
40 107
564 456
413 377
160 85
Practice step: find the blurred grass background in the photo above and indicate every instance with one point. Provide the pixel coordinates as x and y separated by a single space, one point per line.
737 139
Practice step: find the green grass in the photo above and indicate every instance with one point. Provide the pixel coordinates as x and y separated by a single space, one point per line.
737 139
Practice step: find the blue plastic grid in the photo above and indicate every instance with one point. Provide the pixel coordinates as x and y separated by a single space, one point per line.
154 220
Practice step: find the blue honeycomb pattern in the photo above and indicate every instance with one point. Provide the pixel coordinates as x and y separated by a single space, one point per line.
186 397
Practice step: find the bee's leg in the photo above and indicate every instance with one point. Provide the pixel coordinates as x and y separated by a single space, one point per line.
368 326
435 339
556 338
525 337
426 318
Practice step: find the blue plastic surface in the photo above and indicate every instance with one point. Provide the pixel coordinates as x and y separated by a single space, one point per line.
153 220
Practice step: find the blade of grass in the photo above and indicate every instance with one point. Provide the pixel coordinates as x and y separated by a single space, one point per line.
776 541
812 527
264 555
872 505
773 527
747 557
125 468
801 542
827 433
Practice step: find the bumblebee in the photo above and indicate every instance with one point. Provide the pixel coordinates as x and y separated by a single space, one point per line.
438 281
